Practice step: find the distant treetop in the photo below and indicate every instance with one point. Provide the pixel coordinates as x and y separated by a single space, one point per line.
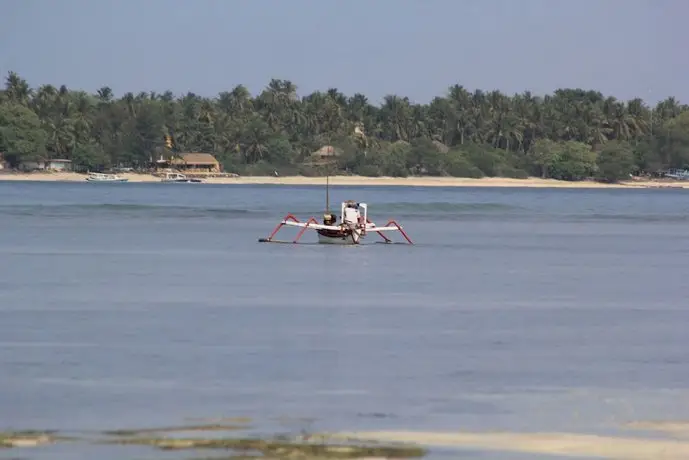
571 134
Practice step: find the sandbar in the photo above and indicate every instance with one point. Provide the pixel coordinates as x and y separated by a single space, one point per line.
676 428
424 181
565 444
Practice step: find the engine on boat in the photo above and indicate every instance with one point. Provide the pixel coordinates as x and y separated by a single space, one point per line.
329 219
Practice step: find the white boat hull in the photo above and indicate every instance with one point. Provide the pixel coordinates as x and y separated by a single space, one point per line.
345 240
179 179
89 179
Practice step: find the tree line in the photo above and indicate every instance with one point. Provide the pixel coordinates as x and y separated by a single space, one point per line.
572 134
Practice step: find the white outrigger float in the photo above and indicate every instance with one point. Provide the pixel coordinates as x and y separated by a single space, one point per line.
353 226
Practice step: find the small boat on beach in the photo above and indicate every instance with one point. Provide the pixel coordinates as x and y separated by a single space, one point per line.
100 177
677 174
179 178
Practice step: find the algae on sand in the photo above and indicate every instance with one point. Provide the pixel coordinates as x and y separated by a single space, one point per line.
281 448
27 438
309 447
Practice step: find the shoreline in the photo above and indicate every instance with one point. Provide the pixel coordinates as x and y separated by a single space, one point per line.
541 443
531 182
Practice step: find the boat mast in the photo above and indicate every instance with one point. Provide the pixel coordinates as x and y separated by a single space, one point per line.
327 193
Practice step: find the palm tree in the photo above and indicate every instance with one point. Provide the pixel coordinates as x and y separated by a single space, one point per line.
17 89
241 128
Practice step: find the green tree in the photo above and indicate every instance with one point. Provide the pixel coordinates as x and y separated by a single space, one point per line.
463 132
458 165
392 160
544 154
89 157
673 141
21 135
576 162
615 161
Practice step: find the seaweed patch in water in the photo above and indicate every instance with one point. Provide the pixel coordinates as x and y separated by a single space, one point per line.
239 419
209 427
375 415
281 448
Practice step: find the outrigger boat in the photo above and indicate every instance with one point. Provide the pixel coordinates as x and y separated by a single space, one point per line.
100 177
353 226
178 178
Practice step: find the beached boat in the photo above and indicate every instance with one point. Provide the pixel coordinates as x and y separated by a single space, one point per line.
178 178
100 177
678 174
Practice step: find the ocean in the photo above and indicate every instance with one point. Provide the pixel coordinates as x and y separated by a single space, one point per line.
140 305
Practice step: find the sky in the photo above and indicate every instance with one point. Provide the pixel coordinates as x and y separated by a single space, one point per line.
414 48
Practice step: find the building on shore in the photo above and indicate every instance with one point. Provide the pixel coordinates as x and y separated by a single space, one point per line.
191 163
57 164
326 155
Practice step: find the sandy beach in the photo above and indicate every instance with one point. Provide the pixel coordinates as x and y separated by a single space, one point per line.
360 181
678 429
564 444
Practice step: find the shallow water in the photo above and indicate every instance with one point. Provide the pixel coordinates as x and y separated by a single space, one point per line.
136 305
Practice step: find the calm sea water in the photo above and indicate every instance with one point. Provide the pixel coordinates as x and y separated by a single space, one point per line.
135 305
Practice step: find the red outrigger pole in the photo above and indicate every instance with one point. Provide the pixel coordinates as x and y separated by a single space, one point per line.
287 218
399 228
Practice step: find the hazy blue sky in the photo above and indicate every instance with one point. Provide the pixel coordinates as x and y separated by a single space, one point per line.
416 48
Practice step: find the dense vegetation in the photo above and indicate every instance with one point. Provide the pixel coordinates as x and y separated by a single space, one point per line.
572 134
